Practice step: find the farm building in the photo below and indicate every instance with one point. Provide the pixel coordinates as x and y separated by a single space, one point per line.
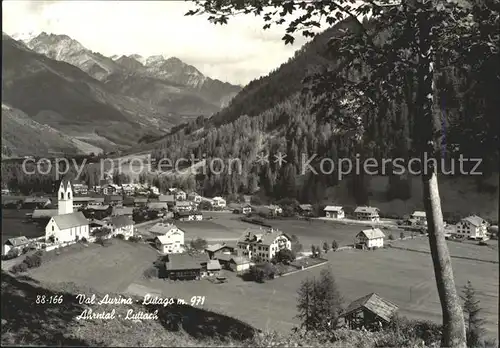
171 239
472 227
114 200
125 211
79 202
419 216
218 202
211 250
183 206
44 213
367 214
183 266
262 244
305 209
271 210
371 312
246 209
368 239
188 216
122 225
334 212
36 202
213 268
15 243
233 262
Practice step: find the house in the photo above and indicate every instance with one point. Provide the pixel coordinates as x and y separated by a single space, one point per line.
183 266
171 239
188 216
213 268
371 312
36 202
95 224
169 199
154 190
472 227
274 209
97 201
233 262
114 200
262 244
140 201
305 209
334 212
194 197
67 225
80 202
367 214
419 216
127 211
183 206
246 209
223 248
157 206
122 225
15 243
109 189
80 189
218 202
180 195
368 239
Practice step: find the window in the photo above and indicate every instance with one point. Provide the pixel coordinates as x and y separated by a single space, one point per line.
69 195
52 227
62 195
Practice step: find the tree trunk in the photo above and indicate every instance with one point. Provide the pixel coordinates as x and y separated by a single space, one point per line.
428 129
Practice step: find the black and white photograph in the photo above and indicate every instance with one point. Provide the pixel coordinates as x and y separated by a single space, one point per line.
250 173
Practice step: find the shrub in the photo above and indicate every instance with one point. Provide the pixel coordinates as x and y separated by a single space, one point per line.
39 253
482 243
391 237
151 273
33 261
134 239
11 254
120 236
285 256
83 240
19 268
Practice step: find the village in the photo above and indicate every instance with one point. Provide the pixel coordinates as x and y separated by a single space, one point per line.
183 238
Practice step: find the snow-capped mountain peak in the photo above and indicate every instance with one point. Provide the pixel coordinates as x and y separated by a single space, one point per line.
25 36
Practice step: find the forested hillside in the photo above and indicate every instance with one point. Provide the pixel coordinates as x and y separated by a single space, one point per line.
273 114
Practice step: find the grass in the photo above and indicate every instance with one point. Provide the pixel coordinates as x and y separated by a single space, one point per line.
466 249
110 268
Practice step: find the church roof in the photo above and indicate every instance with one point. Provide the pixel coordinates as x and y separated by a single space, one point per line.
66 221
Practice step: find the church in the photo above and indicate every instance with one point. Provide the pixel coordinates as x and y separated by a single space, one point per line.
68 225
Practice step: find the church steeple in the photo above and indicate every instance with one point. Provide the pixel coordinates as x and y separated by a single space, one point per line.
65 198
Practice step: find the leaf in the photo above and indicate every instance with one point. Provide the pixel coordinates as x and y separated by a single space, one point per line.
289 39
266 26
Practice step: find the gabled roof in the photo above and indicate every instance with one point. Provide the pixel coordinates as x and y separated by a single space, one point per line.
140 199
17 241
187 213
373 233
305 206
163 228
123 211
333 208
262 236
474 220
213 265
375 304
37 200
157 205
166 198
121 221
70 220
418 213
218 198
216 247
183 204
163 239
181 262
97 207
371 210
113 198
97 222
44 213
239 260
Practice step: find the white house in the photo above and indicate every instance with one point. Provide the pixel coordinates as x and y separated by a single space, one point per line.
372 238
262 244
334 212
472 227
67 226
367 214
155 190
218 202
122 224
172 241
180 195
194 197
419 216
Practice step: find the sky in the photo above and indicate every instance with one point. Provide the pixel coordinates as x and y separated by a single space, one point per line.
237 52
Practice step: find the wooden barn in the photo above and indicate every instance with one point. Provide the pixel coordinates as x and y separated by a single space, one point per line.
371 312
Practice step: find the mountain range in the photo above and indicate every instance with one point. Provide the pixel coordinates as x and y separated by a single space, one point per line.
98 102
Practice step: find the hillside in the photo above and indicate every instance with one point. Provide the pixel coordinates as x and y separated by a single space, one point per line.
44 140
65 98
28 323
166 82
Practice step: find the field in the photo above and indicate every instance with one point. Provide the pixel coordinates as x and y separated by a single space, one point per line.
403 277
110 268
